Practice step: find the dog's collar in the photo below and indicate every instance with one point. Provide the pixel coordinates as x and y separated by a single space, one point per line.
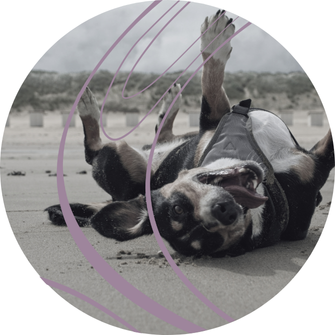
233 138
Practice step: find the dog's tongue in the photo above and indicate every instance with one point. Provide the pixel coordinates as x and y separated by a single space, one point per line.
246 197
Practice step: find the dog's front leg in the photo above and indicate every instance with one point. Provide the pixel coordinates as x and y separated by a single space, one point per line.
166 133
215 102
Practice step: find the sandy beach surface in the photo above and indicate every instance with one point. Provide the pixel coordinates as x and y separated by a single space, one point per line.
238 286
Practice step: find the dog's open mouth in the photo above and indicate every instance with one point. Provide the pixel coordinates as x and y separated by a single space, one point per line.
240 181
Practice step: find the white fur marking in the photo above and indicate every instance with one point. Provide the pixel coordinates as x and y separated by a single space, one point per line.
88 105
223 163
137 229
256 215
196 245
168 100
224 53
176 225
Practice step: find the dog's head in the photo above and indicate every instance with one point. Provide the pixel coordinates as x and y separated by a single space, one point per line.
204 210
209 209
203 201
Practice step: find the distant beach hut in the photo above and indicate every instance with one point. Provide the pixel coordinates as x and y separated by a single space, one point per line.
36 118
287 117
315 119
104 119
65 116
132 117
193 119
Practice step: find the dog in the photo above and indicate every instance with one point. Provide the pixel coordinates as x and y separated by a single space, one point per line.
227 205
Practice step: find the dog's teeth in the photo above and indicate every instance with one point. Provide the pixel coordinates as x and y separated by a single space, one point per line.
255 183
217 180
242 170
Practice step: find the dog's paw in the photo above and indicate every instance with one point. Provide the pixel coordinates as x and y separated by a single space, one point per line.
55 215
222 27
168 98
88 105
81 212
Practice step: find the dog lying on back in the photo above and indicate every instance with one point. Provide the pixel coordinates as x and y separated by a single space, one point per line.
206 201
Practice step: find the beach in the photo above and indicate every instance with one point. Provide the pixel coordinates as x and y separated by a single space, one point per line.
237 286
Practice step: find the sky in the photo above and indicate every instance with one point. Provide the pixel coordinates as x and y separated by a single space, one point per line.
83 47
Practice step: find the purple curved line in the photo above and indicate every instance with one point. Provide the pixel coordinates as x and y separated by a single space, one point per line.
101 266
118 70
101 111
90 301
108 273
160 242
173 63
183 278
143 53
136 94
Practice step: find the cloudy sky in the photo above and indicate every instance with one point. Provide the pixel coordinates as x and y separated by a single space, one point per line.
82 48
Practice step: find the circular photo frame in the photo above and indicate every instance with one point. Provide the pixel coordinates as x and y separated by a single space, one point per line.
211 157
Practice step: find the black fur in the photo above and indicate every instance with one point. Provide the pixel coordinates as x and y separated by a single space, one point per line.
115 220
205 122
118 220
178 218
110 175
181 158
81 212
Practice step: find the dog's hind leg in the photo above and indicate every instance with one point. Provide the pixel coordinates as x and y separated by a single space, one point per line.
81 212
215 102
123 220
90 114
118 168
166 134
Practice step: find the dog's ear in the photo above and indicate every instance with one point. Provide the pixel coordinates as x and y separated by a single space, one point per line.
123 220
324 151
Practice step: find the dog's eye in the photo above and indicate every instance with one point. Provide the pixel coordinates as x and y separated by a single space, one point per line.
178 210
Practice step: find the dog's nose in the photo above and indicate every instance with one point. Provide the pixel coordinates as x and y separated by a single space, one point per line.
225 212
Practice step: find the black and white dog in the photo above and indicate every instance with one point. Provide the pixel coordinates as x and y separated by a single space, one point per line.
207 201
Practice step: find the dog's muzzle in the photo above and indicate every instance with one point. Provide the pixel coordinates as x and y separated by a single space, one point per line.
226 213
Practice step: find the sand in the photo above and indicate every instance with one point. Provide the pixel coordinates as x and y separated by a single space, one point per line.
237 286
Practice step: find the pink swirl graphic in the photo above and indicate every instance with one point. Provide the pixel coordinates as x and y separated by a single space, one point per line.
109 274
118 70
136 94
90 301
153 223
159 239
100 265
132 70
